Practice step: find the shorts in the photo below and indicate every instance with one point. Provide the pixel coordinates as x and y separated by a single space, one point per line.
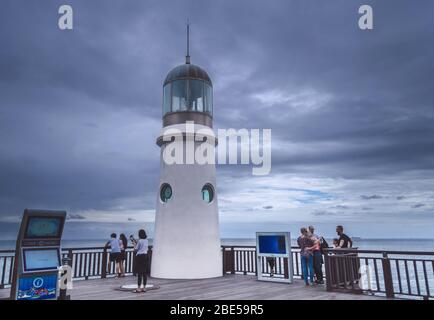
123 255
115 256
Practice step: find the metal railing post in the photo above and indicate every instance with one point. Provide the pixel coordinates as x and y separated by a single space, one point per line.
104 264
224 260
149 260
70 257
232 260
328 274
387 274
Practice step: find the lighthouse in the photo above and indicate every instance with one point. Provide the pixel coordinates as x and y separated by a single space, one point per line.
186 242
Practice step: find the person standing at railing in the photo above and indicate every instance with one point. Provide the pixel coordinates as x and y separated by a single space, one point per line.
134 242
306 247
115 252
317 256
344 241
142 247
272 264
123 243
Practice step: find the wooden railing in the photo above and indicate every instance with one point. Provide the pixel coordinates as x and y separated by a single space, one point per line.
7 258
243 260
389 273
86 263
400 274
93 262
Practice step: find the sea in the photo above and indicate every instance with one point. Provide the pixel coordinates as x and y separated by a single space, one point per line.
361 243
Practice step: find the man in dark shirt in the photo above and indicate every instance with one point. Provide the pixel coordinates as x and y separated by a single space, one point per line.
344 240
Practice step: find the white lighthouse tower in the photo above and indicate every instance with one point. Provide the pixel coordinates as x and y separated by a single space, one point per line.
187 239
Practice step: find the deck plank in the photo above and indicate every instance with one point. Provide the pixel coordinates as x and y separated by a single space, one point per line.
229 287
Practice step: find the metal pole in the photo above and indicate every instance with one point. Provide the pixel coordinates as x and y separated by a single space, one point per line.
64 279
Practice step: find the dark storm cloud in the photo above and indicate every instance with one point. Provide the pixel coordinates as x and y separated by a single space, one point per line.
372 197
322 213
80 110
342 207
418 205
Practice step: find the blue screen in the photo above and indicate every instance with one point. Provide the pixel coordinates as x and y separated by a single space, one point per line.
272 244
43 227
41 259
37 287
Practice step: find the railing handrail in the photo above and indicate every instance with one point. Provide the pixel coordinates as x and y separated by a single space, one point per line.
331 250
391 252
250 247
7 251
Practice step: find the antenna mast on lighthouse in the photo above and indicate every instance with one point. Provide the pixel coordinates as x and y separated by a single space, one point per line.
187 57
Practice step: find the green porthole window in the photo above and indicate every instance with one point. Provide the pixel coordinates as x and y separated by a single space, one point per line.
165 192
207 193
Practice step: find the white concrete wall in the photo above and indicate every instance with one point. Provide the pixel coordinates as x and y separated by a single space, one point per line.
187 237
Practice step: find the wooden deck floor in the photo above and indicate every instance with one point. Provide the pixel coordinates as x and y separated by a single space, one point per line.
229 287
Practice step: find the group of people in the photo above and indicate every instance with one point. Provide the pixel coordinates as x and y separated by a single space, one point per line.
118 255
311 252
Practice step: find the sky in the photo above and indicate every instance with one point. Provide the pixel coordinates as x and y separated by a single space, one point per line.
351 112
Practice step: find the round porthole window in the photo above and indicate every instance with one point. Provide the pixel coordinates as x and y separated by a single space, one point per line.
207 193
165 192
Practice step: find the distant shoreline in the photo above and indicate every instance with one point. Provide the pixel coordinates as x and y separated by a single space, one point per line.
389 244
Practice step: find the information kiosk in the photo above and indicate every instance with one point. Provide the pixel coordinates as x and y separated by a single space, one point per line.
37 255
273 251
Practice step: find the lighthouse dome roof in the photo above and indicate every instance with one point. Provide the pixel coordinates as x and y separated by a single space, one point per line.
187 71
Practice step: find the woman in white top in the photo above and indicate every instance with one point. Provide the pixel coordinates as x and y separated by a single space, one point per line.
141 261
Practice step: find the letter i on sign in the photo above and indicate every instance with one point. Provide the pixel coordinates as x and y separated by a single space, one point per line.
66 19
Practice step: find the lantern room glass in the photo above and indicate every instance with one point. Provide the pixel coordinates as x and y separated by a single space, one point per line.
179 95
195 95
187 95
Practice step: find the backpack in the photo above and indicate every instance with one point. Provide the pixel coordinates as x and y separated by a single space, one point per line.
323 245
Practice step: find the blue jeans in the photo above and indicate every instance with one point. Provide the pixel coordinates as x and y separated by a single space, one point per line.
307 268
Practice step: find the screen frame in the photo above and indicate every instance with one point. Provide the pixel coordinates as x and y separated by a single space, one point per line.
287 258
59 231
27 270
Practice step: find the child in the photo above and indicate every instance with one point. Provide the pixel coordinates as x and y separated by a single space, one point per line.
335 243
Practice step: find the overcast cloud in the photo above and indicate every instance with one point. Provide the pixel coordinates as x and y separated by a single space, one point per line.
351 111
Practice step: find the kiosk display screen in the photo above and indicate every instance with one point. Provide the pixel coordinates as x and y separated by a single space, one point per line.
43 227
41 259
38 287
272 244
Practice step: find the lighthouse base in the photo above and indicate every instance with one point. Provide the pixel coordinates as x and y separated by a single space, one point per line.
186 266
